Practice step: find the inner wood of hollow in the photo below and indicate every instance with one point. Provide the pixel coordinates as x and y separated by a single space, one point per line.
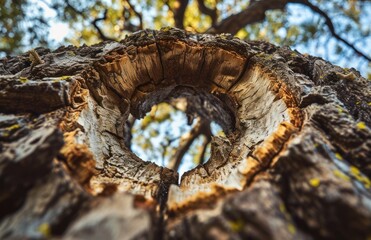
243 97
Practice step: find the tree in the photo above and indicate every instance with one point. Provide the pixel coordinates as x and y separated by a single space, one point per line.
339 29
294 162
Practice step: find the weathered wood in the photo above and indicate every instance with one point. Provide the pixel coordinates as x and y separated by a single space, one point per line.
295 163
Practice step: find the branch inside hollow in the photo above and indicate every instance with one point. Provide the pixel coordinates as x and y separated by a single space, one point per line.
206 142
202 127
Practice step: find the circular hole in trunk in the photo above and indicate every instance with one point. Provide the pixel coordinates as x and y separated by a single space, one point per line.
171 138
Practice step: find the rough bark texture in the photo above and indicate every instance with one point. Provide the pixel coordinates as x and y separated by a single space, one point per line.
295 163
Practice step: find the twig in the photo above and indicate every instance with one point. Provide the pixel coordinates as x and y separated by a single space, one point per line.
204 147
202 127
179 12
100 32
331 27
255 12
140 17
212 13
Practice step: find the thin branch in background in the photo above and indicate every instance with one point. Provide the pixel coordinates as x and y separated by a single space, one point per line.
100 32
206 142
179 11
212 13
166 2
129 124
164 150
139 16
252 2
202 127
69 5
185 143
331 27
255 12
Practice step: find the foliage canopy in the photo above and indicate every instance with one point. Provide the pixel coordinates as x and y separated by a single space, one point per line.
337 30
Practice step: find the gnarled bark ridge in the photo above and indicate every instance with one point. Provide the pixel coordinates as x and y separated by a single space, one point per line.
295 163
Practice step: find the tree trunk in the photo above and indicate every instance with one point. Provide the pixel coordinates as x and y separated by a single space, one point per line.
295 163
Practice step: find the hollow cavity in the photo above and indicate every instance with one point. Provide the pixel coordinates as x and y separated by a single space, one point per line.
170 138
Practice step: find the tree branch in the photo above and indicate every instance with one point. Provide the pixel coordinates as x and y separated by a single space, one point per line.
100 32
204 147
139 16
331 27
202 127
185 143
69 5
179 11
254 13
208 11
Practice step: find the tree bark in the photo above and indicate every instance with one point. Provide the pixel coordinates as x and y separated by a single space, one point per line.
295 162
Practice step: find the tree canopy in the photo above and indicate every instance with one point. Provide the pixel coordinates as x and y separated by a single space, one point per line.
336 30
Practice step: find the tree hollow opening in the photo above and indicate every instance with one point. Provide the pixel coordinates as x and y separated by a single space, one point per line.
171 138
186 118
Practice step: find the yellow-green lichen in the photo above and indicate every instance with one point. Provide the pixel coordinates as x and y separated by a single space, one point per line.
44 229
338 156
5 134
236 226
291 228
13 127
361 125
62 78
356 173
71 53
65 77
166 29
282 208
314 182
341 175
224 35
340 109
23 79
366 182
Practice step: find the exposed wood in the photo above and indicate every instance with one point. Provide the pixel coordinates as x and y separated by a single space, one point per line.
294 163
